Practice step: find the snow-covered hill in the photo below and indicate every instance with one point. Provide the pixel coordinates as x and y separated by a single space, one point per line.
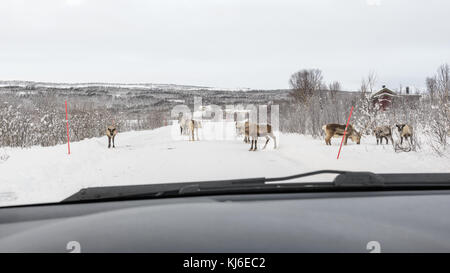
48 174
142 86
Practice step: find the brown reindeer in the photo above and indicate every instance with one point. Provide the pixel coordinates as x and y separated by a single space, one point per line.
240 130
111 133
193 128
253 131
337 130
405 131
383 132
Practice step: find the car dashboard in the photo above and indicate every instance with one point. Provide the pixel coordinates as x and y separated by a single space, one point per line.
394 221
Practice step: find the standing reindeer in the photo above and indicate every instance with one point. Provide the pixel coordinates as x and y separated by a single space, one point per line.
253 131
240 130
189 127
184 125
405 131
383 132
337 130
111 133
193 127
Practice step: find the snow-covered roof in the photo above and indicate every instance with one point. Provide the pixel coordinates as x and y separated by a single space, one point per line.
384 91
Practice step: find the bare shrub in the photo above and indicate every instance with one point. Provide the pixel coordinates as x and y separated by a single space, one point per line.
429 116
40 119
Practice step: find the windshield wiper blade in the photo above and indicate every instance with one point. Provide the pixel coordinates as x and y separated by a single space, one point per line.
295 176
343 180
195 187
154 190
176 189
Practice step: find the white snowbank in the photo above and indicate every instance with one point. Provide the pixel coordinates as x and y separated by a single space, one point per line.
48 174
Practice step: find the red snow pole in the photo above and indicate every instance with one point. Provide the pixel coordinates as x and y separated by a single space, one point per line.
67 126
345 132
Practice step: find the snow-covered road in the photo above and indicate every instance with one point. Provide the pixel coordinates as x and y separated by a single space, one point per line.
48 174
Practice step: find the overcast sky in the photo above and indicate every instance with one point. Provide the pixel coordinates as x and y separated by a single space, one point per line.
223 43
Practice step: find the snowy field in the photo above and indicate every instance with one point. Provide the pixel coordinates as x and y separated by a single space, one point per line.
48 174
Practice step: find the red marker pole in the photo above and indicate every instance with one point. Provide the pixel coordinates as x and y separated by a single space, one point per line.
67 125
345 132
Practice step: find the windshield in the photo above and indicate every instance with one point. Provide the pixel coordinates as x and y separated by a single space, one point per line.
111 93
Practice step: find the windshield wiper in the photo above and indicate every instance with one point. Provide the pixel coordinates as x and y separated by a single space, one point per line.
344 181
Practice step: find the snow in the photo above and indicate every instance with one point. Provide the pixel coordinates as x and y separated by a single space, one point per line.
49 174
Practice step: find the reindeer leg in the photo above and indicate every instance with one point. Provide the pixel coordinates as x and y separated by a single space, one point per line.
267 141
345 139
274 139
113 141
251 147
401 140
256 144
408 138
109 142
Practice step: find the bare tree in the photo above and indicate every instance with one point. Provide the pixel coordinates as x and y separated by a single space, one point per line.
438 115
334 87
368 84
334 103
432 87
443 81
305 83
363 106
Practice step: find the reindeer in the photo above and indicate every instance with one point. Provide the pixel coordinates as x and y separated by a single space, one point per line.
111 133
255 130
189 127
184 125
240 130
383 132
405 131
193 126
337 130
